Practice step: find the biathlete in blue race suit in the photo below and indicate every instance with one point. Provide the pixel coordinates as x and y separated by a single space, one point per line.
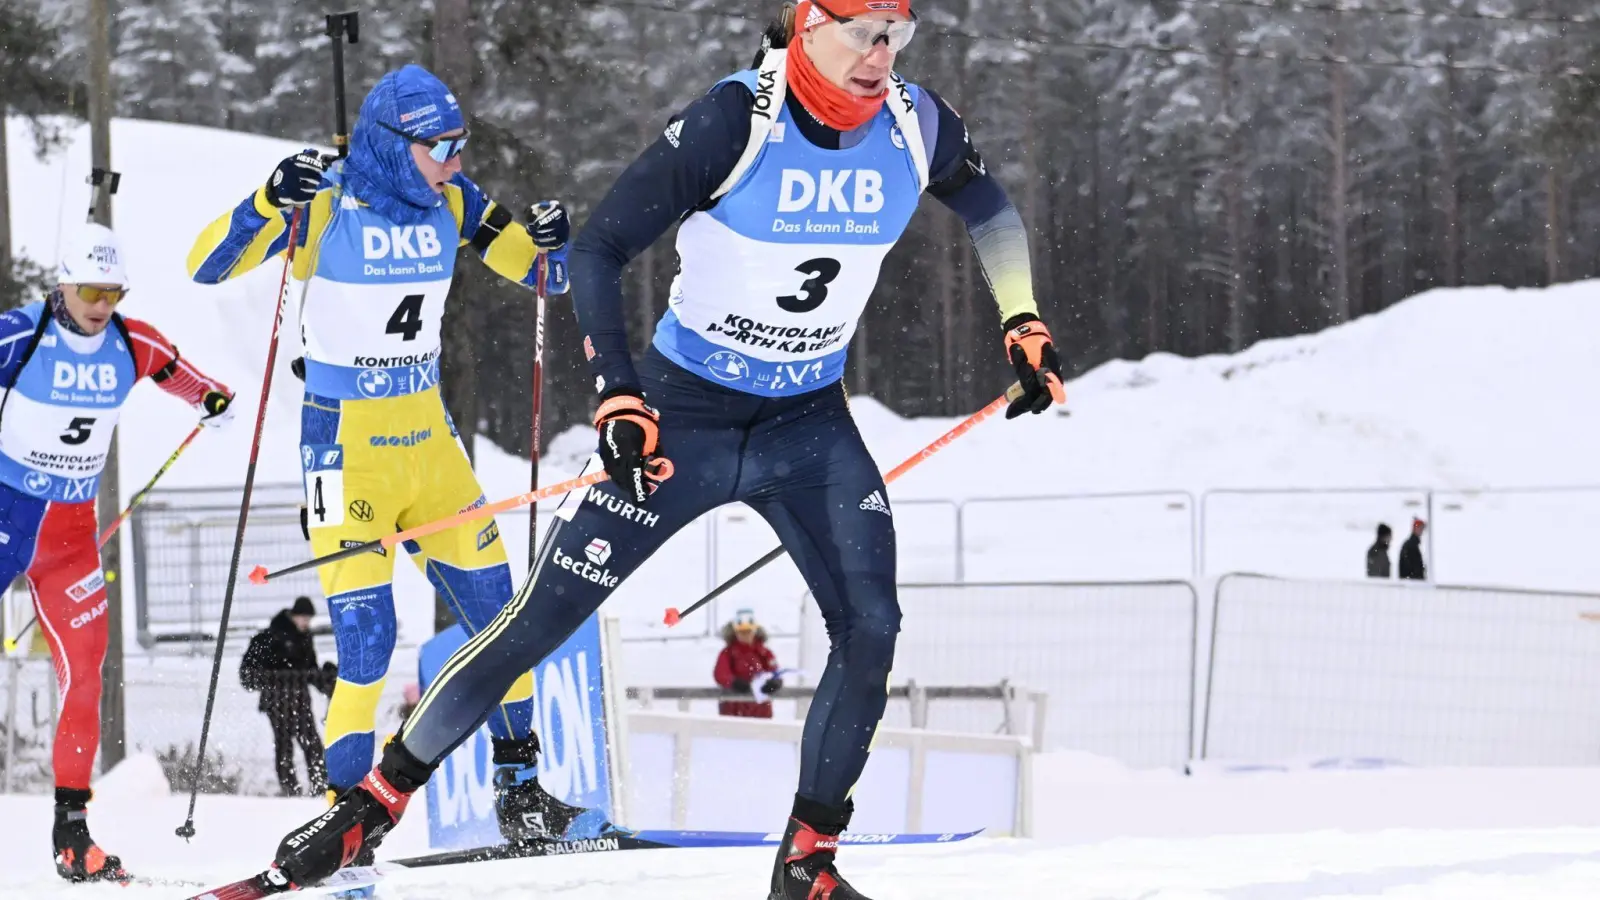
793 180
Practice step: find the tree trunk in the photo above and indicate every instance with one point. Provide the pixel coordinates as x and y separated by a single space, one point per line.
5 200
1338 188
102 95
1450 176
1552 221
951 244
1233 200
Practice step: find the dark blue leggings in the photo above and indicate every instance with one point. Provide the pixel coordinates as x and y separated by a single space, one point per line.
798 461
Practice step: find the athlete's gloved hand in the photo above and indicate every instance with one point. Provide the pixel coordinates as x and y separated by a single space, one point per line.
629 438
219 409
1031 351
772 686
740 686
548 225
550 229
295 180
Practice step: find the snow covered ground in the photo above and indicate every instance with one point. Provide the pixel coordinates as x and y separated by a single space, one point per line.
1105 833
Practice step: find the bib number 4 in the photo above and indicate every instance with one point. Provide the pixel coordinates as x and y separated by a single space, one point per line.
820 272
407 318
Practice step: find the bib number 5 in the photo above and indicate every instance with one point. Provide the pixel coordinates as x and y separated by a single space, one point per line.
77 430
820 271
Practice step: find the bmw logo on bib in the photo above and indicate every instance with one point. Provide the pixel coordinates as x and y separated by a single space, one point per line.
898 138
374 383
307 457
37 483
728 365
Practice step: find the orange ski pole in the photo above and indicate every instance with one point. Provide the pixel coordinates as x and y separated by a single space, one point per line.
674 616
259 575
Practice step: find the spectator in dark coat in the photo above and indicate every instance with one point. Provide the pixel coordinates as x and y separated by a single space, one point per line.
1378 553
1411 564
744 658
281 663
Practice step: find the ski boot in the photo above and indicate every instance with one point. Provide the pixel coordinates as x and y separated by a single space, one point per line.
78 857
526 811
804 869
351 830
366 856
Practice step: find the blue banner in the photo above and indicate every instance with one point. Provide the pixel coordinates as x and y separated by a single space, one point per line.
569 715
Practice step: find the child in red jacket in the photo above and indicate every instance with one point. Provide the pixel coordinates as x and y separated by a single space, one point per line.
742 661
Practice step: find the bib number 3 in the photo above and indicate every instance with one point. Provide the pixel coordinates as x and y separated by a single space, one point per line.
820 271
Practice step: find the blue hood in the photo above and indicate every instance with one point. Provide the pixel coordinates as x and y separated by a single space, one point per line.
379 169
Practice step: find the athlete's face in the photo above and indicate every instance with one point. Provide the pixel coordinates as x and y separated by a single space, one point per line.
92 317
437 174
862 74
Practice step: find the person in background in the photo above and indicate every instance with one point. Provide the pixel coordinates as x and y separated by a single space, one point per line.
744 658
281 663
1378 553
1411 564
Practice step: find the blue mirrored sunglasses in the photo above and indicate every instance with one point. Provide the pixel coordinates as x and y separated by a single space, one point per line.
440 149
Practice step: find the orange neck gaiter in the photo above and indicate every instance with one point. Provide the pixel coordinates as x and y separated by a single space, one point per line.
833 106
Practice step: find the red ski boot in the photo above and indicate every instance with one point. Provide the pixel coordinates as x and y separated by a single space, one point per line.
804 869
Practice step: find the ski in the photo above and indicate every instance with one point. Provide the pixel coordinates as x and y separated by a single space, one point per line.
270 882
659 840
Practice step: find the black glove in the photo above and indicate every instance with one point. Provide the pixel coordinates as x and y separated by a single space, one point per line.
739 686
218 407
548 225
305 522
629 438
326 678
772 686
1033 353
296 179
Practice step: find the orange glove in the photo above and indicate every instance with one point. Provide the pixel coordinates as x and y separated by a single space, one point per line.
1031 351
629 437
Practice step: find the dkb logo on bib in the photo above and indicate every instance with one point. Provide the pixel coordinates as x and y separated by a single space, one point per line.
831 191
403 242
85 376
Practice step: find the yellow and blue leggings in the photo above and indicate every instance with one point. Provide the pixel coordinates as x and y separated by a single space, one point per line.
373 467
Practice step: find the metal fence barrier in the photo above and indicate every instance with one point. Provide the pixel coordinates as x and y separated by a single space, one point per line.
1409 672
1022 711
1117 660
183 544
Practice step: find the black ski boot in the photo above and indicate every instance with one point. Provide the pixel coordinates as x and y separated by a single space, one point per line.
804 869
526 811
78 857
353 827
366 856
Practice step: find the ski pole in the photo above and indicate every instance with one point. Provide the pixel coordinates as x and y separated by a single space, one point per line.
149 486
538 391
674 616
186 830
340 27
259 575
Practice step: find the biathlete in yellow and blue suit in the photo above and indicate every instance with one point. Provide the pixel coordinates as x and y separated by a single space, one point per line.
378 449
